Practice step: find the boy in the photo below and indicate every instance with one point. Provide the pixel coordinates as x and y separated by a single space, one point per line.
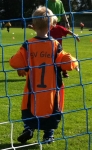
8 25
81 26
40 59
57 32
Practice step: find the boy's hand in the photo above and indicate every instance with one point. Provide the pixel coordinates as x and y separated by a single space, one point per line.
30 26
77 68
68 25
77 37
21 73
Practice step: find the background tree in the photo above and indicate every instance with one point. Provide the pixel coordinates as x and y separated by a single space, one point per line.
12 9
81 5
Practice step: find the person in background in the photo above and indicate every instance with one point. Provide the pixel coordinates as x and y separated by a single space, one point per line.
8 25
58 9
81 26
57 32
41 59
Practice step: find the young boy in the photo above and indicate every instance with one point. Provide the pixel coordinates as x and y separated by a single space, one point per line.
8 25
81 26
57 32
41 59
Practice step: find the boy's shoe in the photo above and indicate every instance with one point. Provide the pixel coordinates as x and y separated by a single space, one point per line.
48 140
65 75
26 135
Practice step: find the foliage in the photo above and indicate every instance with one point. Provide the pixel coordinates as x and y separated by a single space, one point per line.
81 5
13 8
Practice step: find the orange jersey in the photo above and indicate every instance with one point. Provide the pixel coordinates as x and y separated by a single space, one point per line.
43 77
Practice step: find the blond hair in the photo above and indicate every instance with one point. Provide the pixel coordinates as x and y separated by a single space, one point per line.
42 18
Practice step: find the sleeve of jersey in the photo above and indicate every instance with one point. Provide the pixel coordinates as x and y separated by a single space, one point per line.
66 61
19 60
64 31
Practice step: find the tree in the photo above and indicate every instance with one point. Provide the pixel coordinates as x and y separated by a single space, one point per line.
13 8
81 5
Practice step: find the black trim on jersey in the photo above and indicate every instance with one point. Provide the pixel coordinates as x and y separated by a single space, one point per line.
25 45
59 76
59 48
46 38
27 69
29 95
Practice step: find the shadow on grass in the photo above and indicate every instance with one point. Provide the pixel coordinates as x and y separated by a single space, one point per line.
31 147
6 61
12 80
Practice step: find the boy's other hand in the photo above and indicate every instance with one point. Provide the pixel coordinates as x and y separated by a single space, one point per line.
77 68
77 37
30 26
21 73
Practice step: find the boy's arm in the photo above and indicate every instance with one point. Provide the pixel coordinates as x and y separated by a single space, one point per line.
66 61
21 73
19 60
73 34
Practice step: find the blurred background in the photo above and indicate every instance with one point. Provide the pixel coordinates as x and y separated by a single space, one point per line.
12 9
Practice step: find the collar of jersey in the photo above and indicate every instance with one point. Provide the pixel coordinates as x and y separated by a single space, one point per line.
47 38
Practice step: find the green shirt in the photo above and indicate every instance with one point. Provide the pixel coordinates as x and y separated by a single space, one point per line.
56 7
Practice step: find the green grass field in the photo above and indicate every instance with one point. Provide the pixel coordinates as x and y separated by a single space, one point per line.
75 129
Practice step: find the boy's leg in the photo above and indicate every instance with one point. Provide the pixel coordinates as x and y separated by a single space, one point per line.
28 129
8 29
26 134
48 136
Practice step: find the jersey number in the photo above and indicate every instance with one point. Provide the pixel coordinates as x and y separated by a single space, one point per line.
42 85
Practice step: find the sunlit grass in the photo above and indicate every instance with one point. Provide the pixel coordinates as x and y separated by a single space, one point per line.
75 129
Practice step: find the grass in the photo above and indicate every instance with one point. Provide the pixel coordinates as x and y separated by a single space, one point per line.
75 129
